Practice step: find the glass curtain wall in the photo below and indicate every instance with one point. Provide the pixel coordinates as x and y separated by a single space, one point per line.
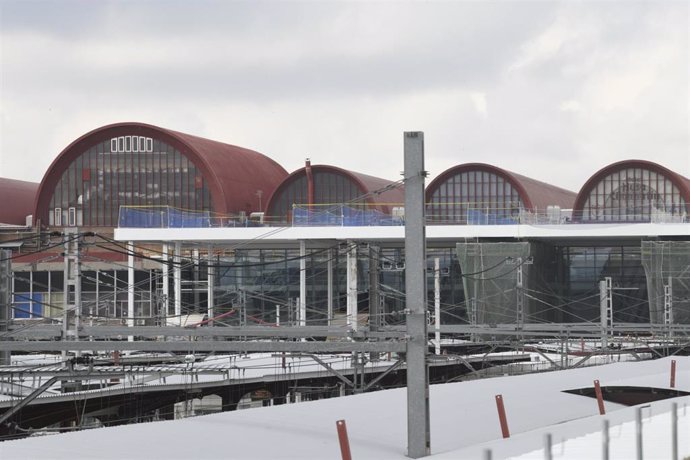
634 195
330 190
463 194
574 292
254 282
39 294
126 171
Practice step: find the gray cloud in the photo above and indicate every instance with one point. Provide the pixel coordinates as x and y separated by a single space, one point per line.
554 91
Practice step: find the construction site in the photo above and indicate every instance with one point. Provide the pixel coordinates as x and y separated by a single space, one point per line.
154 275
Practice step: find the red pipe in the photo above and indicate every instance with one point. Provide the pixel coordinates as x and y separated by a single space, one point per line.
343 439
600 397
310 183
502 416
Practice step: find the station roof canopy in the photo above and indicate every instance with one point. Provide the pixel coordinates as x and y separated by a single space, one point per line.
18 199
234 174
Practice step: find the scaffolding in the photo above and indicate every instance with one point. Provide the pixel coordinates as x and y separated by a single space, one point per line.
494 276
667 267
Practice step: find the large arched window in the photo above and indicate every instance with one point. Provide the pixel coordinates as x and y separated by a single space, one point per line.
126 171
328 195
633 192
460 196
136 164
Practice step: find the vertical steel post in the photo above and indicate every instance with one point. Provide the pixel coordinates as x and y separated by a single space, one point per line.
520 299
166 284
211 284
71 288
668 308
674 431
130 288
673 373
638 434
418 431
329 283
603 301
548 455
177 281
352 310
375 310
5 290
302 283
437 306
605 440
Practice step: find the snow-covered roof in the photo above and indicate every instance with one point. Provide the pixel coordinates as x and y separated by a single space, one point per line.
464 422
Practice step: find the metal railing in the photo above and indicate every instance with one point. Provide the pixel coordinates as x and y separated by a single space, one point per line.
366 215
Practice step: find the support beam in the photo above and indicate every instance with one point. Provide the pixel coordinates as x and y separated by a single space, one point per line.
329 284
207 345
25 402
437 306
418 431
210 291
302 315
166 285
329 368
5 290
395 365
177 280
352 313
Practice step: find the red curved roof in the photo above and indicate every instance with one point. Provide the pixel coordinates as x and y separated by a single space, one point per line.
682 182
234 174
535 194
384 201
18 200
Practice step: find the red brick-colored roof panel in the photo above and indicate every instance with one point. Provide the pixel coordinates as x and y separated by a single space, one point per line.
17 200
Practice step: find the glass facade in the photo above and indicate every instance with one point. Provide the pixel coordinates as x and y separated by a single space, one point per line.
126 171
634 195
460 196
39 294
561 286
571 284
330 189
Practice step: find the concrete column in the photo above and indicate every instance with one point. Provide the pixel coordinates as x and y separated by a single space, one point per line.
418 431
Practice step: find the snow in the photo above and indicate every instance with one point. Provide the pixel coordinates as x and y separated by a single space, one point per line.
464 423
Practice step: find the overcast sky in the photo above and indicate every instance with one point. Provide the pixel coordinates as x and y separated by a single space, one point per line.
554 91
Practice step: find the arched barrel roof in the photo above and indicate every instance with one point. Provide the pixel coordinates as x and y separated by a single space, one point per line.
682 183
18 199
535 195
234 174
378 193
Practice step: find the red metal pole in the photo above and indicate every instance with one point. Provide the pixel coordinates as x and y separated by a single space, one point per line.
600 398
502 416
344 441
673 373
